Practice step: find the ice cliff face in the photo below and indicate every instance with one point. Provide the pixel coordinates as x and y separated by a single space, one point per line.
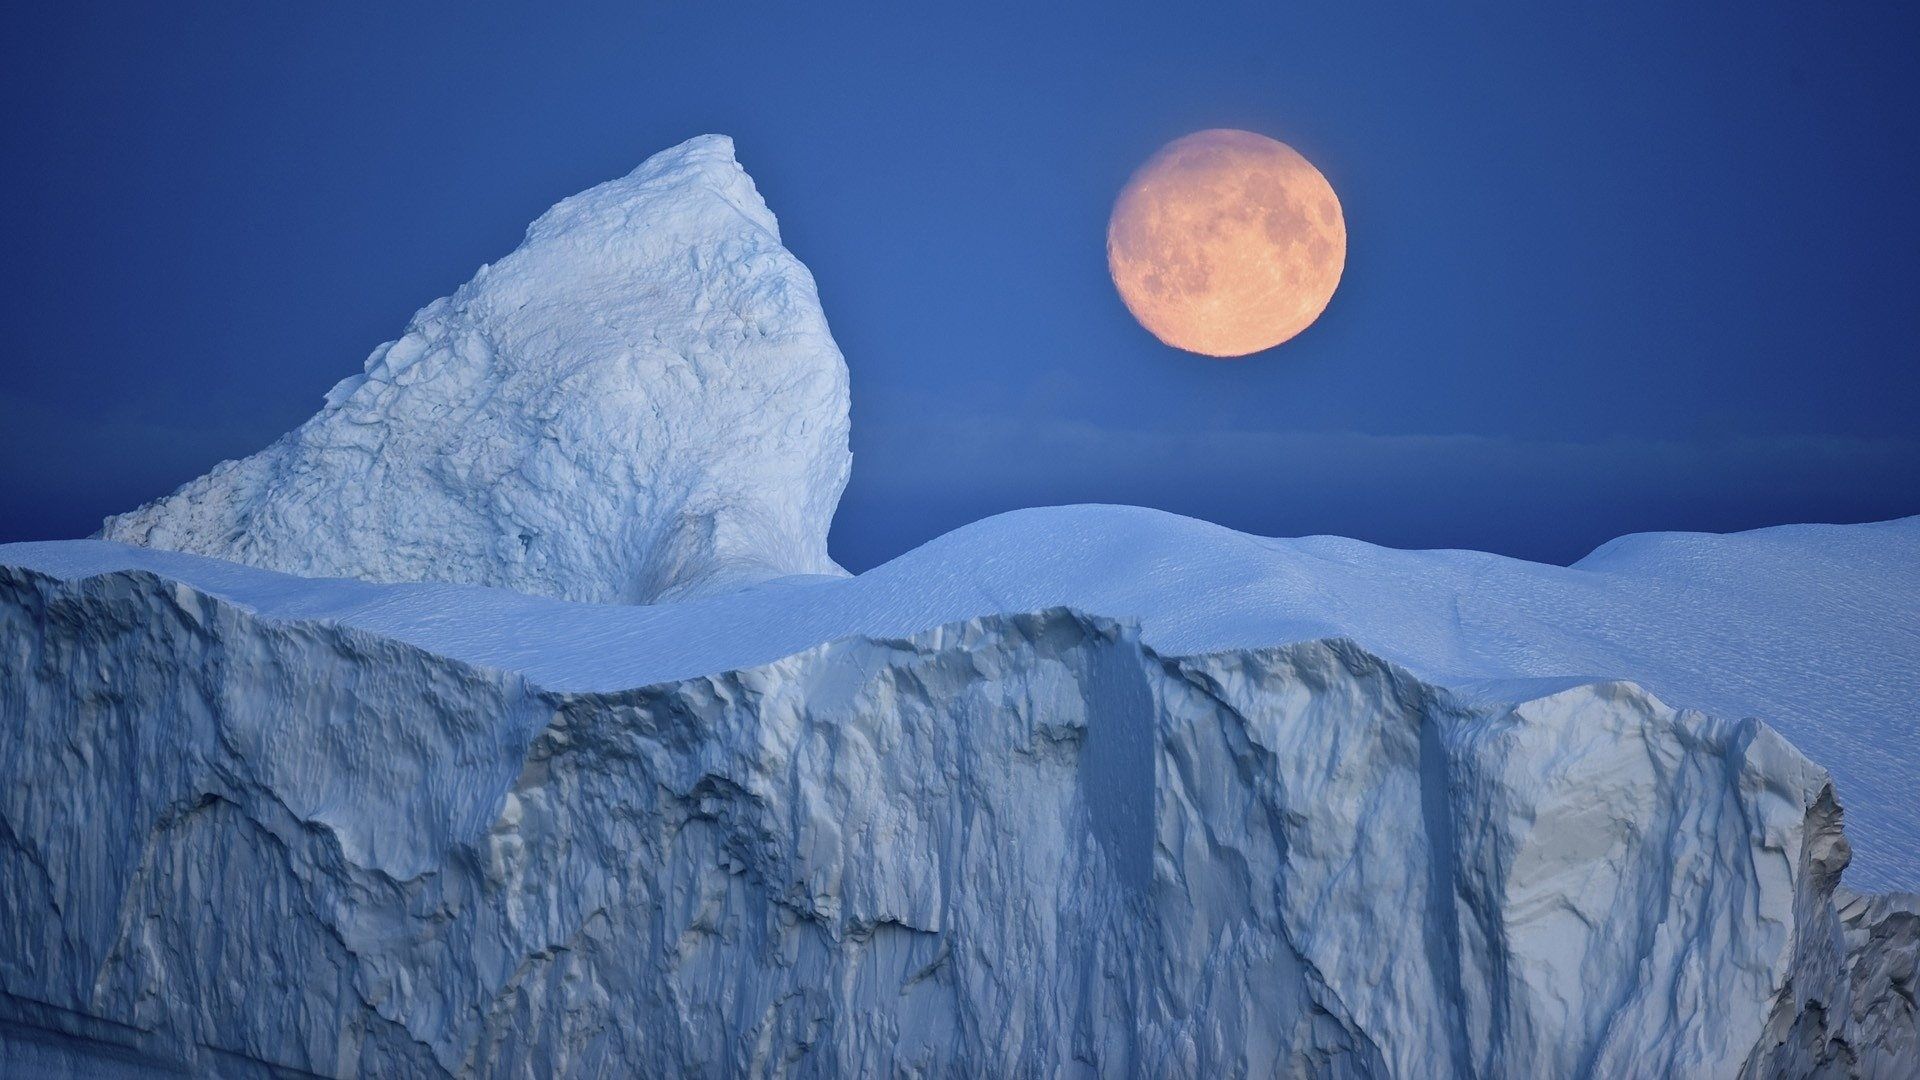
641 400
252 823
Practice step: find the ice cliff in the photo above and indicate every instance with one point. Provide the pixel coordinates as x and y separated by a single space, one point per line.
641 400
1088 790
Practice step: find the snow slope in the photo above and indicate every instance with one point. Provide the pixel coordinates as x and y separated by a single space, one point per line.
641 400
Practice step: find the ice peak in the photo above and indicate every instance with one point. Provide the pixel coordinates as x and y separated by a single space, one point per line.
643 399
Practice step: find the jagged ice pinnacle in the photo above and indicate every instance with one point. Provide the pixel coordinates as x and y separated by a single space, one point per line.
642 400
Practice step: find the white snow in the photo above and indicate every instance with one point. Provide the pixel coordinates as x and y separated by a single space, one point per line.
641 400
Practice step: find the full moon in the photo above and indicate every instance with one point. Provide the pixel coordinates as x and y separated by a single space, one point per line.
1226 243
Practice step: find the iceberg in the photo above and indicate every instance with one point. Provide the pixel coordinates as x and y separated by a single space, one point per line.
983 809
509 719
642 400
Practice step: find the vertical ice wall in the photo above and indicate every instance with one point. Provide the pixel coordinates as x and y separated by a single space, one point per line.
1018 844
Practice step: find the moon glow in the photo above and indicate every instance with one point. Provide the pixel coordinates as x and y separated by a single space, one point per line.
1226 243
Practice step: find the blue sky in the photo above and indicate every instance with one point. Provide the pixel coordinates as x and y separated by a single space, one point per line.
1647 267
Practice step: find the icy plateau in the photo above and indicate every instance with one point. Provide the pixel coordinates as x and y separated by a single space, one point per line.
508 719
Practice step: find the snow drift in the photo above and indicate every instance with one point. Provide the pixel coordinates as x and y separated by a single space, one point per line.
642 399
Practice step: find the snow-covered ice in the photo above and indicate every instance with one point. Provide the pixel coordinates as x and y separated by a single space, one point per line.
641 400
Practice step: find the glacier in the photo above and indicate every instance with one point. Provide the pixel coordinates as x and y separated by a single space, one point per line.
641 400
509 718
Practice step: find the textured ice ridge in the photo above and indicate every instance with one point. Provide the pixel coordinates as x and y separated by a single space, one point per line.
642 400
1018 844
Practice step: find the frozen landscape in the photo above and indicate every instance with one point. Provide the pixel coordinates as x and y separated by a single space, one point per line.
508 718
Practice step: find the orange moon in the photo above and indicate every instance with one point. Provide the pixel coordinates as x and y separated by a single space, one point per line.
1226 243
